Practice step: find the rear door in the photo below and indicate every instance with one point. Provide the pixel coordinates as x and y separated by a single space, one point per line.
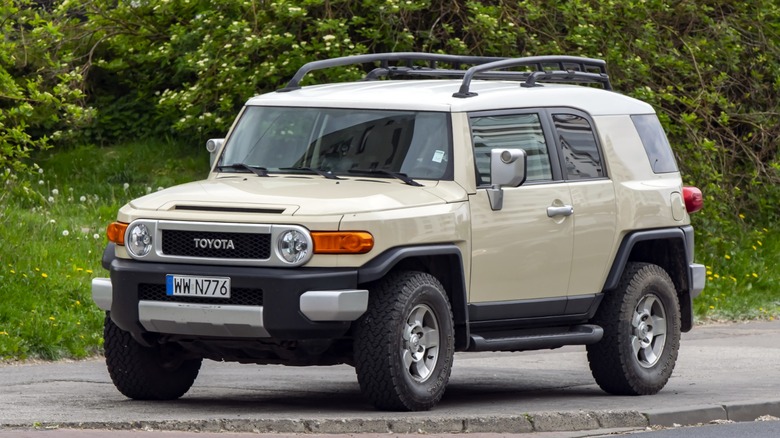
593 199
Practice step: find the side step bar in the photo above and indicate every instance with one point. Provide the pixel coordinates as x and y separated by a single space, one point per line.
536 339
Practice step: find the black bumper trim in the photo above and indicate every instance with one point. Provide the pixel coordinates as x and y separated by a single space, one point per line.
281 288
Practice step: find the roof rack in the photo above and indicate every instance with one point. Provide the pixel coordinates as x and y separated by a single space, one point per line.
565 69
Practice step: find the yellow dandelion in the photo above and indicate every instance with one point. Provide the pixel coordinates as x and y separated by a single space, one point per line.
709 272
51 318
24 275
759 243
712 307
709 278
716 275
4 333
733 278
44 275
89 271
78 303
13 272
754 248
741 216
728 257
79 269
754 275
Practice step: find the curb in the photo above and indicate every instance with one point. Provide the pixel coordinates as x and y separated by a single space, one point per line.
567 421
737 411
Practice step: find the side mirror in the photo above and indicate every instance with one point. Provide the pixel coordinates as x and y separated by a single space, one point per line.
508 168
213 145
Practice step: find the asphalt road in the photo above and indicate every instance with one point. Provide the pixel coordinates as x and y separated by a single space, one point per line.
723 372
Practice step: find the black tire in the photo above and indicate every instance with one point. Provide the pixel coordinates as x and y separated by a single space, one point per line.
144 373
399 369
641 321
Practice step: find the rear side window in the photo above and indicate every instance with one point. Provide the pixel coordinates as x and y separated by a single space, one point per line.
659 152
581 156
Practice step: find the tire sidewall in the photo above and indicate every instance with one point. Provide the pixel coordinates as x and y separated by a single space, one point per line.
652 378
433 387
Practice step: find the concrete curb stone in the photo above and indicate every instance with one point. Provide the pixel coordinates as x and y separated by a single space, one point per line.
549 421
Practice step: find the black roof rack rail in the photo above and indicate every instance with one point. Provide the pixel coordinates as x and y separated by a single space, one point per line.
566 69
572 69
385 58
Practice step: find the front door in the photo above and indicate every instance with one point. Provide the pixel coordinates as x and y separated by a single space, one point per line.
523 251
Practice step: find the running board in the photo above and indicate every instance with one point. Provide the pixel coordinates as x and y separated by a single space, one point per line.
536 339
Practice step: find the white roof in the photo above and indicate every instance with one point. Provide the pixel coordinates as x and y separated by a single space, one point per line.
436 95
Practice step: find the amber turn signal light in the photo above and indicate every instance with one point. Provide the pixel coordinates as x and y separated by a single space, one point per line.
116 232
342 242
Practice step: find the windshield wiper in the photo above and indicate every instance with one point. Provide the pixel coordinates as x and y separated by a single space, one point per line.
257 170
396 175
319 172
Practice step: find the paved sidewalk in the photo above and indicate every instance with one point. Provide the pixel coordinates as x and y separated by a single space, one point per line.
723 372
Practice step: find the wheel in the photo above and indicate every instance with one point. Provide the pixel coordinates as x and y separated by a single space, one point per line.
641 321
144 373
404 343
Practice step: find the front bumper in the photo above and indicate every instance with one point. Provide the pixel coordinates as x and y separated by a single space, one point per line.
279 303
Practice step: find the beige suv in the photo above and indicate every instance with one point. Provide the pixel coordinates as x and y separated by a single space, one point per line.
518 204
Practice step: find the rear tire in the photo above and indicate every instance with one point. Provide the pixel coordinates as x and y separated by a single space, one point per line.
144 373
641 321
404 343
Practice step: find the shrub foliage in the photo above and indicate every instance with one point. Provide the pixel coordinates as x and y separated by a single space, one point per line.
184 67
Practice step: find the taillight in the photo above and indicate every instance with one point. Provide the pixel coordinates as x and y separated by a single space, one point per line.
693 199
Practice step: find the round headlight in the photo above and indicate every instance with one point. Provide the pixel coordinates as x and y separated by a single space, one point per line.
293 246
139 240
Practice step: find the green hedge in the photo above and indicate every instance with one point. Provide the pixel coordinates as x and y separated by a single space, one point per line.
184 67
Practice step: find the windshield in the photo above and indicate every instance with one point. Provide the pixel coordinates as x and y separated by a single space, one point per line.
341 141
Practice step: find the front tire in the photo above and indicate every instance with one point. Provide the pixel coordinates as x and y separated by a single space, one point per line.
144 373
404 343
641 321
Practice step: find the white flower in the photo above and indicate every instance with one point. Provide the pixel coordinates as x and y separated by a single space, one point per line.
40 171
160 188
65 233
55 192
83 199
96 236
328 37
40 182
126 186
51 199
52 221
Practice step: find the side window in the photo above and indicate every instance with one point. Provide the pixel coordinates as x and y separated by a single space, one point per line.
514 131
659 152
581 156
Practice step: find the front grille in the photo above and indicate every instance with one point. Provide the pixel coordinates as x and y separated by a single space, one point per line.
238 296
205 244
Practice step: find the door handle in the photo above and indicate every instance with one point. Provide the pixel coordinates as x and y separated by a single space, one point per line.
565 210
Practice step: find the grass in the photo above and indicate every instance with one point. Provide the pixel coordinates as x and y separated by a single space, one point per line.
743 276
52 237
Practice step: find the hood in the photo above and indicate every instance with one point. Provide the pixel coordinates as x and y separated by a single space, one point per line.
295 195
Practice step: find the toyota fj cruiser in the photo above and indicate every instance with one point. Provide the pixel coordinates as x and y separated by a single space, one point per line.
445 203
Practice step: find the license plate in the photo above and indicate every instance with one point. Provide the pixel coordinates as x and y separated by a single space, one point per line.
194 286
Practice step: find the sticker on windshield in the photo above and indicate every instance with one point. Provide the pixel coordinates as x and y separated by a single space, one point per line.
438 156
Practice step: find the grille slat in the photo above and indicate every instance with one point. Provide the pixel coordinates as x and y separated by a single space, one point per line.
195 244
238 296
